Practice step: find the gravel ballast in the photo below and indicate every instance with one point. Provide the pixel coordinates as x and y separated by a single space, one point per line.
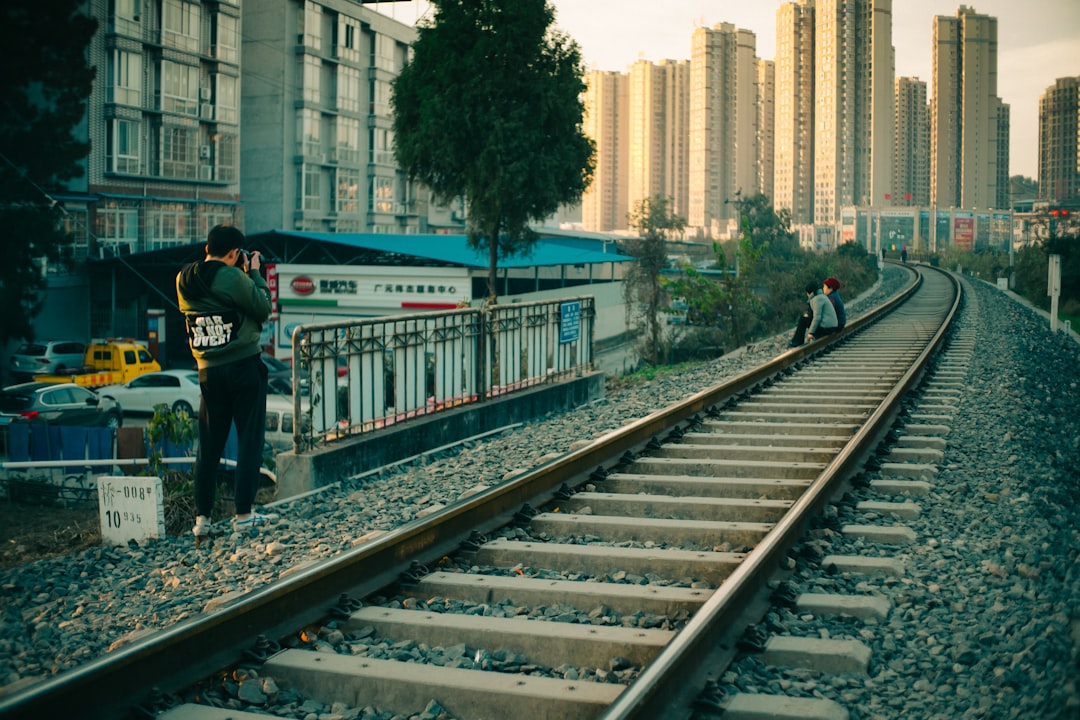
990 629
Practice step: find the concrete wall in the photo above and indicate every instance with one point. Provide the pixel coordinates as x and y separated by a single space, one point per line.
299 473
610 307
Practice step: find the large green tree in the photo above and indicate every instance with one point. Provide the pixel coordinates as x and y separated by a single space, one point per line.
489 109
43 90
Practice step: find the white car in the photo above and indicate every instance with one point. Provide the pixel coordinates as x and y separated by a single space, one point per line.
179 389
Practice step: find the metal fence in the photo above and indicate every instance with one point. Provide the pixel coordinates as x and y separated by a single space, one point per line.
355 376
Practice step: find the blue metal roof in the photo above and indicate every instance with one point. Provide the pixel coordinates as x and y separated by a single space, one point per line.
455 249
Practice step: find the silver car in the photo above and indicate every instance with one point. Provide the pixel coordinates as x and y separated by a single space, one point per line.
46 356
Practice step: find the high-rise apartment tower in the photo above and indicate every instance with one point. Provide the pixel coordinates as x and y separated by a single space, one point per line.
911 168
968 123
1059 134
723 124
793 164
657 112
607 102
853 139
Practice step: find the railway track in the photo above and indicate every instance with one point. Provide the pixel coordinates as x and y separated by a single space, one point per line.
648 550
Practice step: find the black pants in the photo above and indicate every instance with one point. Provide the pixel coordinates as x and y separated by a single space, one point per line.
800 329
803 325
232 393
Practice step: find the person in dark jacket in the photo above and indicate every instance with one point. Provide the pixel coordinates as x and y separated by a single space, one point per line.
832 291
225 300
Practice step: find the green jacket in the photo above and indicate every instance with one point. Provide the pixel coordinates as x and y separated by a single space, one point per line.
224 309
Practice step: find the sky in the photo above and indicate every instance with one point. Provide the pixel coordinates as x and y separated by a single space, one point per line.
1038 42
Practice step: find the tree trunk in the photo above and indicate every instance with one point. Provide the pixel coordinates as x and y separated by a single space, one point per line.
493 263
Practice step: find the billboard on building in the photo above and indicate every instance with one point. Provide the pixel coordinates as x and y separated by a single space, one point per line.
963 234
847 225
326 293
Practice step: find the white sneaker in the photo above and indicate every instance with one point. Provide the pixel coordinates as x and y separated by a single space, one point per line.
202 527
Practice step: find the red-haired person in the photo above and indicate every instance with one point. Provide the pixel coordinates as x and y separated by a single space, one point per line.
832 291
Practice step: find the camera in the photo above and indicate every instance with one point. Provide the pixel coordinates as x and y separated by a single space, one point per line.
244 257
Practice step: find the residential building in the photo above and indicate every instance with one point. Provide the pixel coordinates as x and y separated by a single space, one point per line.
1004 190
766 126
318 150
606 122
723 125
657 119
793 164
911 167
966 113
853 137
1059 132
163 122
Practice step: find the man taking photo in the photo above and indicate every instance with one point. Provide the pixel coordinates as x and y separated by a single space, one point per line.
225 300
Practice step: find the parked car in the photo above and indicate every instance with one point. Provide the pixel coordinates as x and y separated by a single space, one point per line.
179 389
278 375
64 404
46 356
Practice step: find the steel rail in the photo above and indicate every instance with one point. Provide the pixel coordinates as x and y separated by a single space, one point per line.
650 695
194 649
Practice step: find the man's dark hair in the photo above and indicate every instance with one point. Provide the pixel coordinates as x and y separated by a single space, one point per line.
223 238
811 287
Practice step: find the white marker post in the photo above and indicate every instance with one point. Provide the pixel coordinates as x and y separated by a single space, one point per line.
131 508
1053 289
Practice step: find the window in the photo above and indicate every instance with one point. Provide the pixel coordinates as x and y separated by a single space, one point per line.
116 225
380 98
308 125
180 25
227 32
226 154
210 217
179 153
383 52
311 25
382 151
348 141
347 40
123 147
179 88
309 187
127 16
312 71
348 89
126 76
271 421
168 226
225 97
382 195
348 191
